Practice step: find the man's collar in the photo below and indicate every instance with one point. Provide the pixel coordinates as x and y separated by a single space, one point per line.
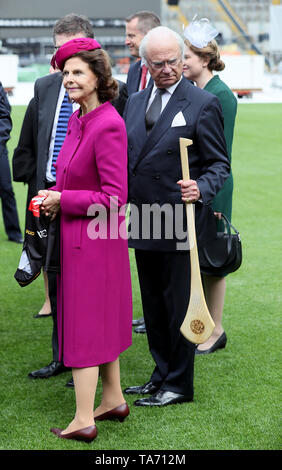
170 89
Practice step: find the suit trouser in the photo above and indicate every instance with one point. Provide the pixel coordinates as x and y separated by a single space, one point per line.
165 287
52 287
9 206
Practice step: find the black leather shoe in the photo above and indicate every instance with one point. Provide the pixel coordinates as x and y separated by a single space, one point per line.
54 368
146 389
45 315
163 398
140 328
138 322
70 383
219 344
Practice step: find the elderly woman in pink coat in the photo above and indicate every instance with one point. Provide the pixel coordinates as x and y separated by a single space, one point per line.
94 286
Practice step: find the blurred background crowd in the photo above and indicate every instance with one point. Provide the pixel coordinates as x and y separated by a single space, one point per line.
250 38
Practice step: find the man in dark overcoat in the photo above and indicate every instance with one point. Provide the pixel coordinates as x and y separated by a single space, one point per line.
155 119
7 196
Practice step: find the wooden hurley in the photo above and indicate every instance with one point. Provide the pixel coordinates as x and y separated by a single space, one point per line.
198 324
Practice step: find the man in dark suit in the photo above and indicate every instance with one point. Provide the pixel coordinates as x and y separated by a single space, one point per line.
137 25
7 196
33 157
138 77
155 119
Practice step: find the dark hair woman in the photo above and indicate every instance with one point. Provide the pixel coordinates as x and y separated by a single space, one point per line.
94 300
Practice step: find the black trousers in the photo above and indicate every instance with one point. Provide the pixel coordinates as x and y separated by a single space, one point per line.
52 288
9 206
165 288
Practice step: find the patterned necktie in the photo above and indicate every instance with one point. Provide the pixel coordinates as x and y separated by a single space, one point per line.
154 111
144 77
62 125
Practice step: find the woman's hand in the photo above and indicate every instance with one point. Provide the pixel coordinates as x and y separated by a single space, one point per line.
189 191
51 205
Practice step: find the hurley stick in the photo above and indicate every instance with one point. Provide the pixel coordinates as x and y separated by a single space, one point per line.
198 324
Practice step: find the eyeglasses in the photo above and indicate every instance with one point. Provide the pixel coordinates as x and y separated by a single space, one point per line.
162 65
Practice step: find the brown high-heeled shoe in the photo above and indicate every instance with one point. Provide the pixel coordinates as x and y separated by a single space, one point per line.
120 413
86 434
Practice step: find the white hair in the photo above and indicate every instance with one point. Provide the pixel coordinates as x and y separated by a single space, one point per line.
160 32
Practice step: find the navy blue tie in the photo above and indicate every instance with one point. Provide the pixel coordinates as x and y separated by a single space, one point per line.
62 125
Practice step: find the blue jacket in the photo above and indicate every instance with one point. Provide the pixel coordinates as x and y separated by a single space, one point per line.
5 120
134 77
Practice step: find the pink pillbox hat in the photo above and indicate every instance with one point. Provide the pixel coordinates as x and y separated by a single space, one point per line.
72 47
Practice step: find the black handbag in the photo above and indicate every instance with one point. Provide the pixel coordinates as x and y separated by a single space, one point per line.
223 255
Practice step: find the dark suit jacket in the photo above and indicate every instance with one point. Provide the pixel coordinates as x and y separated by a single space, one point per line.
134 77
154 160
5 119
120 102
31 155
24 159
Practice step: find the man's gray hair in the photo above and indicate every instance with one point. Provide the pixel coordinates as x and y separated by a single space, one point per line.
146 20
161 32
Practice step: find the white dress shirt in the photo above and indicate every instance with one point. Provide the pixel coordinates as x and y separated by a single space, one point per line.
165 96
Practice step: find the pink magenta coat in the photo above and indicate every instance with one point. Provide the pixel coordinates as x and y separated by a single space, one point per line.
94 286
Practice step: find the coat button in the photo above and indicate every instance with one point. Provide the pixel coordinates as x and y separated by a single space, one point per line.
156 177
133 174
169 151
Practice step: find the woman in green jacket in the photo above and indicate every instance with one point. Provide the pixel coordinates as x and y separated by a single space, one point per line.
201 59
